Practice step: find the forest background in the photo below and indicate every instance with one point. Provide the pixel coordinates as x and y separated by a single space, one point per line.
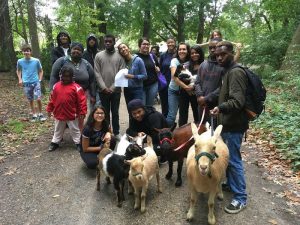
268 29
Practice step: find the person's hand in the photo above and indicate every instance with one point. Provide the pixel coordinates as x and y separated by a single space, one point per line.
157 69
107 91
81 117
107 137
92 100
129 76
49 114
20 83
189 88
141 134
201 101
215 111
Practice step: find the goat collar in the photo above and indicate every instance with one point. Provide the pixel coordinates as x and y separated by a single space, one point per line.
212 157
171 141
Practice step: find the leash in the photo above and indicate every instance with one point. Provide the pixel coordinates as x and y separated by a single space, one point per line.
212 125
202 118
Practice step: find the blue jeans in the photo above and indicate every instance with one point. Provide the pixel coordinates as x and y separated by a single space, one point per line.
133 93
235 170
149 94
173 100
111 104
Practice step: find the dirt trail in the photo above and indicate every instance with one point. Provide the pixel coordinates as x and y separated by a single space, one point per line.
39 187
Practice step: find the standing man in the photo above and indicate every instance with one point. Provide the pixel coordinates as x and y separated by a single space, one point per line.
233 117
107 64
208 81
63 46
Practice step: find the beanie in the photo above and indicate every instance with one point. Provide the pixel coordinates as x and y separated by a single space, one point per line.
74 44
135 104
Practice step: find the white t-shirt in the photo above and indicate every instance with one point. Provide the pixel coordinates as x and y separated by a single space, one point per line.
65 51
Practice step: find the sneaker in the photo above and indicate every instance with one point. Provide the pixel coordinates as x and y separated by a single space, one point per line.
41 117
34 118
234 207
52 147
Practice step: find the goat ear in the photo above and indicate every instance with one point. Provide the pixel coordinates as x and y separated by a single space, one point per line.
194 130
128 162
157 130
145 135
218 131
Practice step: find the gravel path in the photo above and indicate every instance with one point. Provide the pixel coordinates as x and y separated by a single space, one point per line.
39 187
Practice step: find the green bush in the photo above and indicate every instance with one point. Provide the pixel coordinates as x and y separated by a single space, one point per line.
46 62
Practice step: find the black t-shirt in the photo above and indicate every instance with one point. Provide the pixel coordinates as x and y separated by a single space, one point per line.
95 137
150 68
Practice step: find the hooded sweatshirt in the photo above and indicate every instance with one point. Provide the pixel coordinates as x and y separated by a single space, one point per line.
90 52
152 119
58 51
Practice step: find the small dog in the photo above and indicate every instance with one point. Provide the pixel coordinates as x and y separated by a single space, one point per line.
185 75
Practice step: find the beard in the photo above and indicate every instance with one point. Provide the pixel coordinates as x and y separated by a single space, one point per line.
76 58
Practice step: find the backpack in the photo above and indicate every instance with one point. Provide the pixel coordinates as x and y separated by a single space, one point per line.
255 94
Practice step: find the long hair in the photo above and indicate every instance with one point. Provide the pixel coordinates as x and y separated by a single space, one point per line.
188 56
199 50
91 121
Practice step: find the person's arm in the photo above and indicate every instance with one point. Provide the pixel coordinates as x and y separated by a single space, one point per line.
237 55
54 76
81 100
203 44
85 143
142 73
92 83
19 74
98 75
131 130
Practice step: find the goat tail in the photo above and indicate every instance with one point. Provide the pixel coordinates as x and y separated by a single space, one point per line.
149 141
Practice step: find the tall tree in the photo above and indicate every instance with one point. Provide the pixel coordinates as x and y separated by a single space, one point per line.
8 57
180 21
147 19
32 25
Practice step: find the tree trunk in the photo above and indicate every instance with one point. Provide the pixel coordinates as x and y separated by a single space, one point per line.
147 19
180 21
200 33
32 24
23 22
8 59
48 32
102 26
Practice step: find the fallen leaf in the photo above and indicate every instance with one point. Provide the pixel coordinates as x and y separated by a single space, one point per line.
11 171
273 222
55 196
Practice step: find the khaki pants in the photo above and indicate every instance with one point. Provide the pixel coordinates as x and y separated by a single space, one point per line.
60 126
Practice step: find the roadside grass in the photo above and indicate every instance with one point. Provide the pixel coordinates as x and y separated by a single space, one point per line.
280 124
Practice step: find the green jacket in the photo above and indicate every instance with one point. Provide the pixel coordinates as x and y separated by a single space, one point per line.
232 100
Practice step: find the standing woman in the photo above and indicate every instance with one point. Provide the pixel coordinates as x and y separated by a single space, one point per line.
95 133
136 74
164 62
150 84
188 96
182 56
83 73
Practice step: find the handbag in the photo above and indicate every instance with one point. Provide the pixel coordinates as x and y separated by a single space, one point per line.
162 82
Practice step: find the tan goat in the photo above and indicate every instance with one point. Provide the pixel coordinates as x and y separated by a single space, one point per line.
142 169
207 161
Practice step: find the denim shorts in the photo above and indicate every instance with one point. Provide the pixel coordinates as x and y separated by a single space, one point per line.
32 91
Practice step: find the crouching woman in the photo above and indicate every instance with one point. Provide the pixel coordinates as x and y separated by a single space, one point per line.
95 133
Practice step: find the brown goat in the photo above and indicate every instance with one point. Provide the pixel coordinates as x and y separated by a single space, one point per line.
206 162
170 141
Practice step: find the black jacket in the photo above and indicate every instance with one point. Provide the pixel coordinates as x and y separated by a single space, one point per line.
58 51
152 119
90 52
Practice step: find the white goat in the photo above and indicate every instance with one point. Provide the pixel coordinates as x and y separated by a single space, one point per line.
142 169
206 162
126 140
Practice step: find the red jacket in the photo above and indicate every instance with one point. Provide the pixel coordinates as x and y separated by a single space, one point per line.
67 102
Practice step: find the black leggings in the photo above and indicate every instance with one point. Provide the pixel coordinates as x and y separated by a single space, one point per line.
91 158
184 102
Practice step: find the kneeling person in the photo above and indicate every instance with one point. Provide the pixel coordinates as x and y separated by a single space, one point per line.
144 120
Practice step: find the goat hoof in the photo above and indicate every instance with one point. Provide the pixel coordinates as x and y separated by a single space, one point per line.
119 204
98 188
143 210
189 217
178 183
168 176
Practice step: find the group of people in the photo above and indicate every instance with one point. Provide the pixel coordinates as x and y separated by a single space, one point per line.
82 83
